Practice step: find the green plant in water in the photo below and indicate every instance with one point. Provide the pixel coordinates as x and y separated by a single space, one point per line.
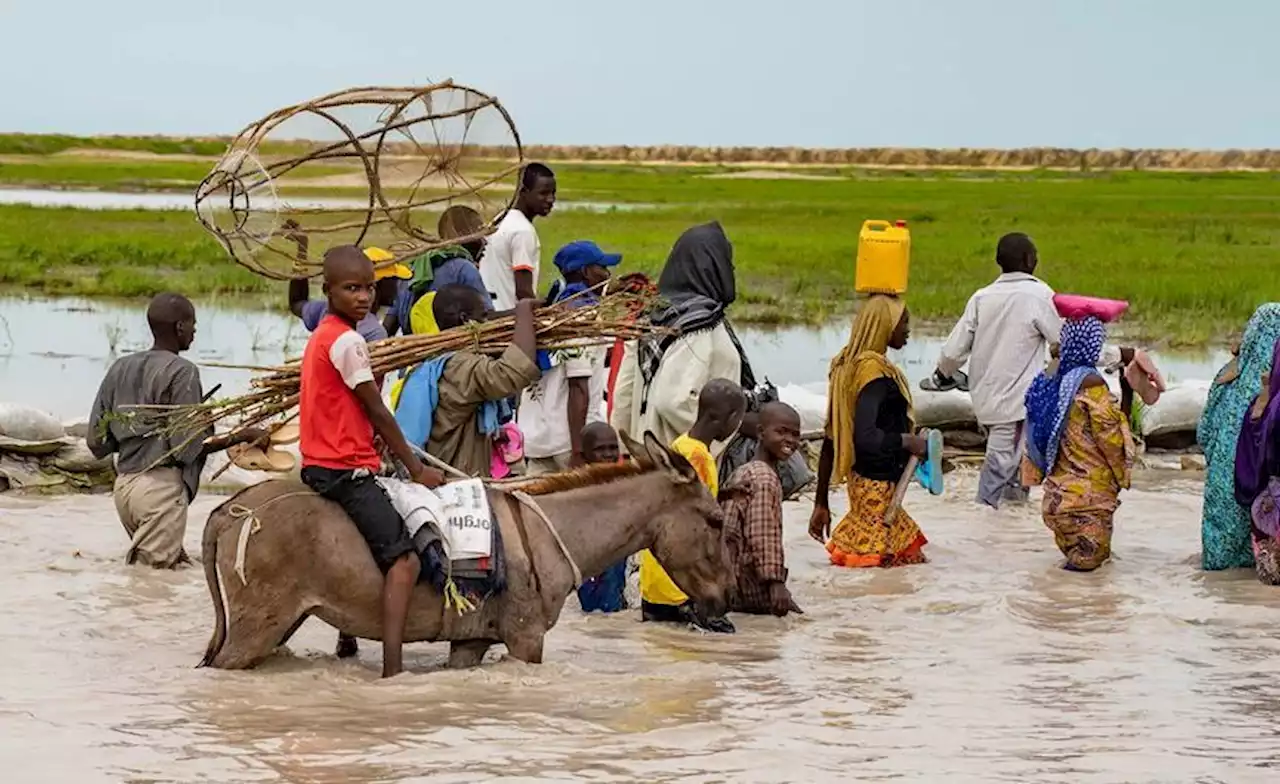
114 332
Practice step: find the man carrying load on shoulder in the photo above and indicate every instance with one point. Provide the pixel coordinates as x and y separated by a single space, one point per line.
454 406
1005 335
388 280
447 266
158 472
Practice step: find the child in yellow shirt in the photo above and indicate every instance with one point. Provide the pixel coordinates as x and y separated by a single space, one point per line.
721 404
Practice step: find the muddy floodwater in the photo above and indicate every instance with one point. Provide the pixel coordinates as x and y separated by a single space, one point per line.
988 664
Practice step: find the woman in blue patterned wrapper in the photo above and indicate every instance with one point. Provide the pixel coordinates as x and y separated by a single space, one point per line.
1079 445
1225 528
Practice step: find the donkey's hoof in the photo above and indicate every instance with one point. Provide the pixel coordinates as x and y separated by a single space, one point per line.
347 647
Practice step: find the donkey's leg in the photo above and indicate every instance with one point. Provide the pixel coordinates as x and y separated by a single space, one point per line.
467 653
347 646
254 635
526 646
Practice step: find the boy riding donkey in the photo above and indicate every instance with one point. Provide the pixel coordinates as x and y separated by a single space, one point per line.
340 410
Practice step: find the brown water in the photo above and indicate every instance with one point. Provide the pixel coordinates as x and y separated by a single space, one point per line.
988 664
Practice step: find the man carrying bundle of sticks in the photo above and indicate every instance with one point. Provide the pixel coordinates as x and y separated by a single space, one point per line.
455 404
158 471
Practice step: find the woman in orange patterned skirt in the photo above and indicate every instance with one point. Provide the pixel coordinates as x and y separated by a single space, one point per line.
870 437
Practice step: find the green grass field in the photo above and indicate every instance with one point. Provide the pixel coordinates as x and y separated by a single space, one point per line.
1193 253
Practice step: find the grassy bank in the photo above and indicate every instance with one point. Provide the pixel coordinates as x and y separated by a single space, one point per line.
921 158
1194 253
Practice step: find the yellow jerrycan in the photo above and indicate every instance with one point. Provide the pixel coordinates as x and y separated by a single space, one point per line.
884 258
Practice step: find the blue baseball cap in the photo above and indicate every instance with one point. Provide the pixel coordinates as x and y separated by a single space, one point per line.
577 256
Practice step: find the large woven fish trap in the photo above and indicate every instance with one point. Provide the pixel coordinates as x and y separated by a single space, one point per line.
369 166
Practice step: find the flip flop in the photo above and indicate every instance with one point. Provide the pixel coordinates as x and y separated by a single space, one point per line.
252 458
281 462
929 471
937 383
288 433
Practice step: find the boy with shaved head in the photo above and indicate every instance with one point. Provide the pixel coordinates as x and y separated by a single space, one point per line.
157 472
340 409
604 592
753 517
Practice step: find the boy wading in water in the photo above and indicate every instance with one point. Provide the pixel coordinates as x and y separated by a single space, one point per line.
753 517
721 405
340 409
554 411
606 591
158 473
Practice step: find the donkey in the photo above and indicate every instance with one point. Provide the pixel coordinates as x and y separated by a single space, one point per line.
286 554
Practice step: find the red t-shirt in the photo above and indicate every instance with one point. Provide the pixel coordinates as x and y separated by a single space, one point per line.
336 432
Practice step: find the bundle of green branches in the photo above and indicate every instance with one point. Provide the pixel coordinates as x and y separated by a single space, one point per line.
275 391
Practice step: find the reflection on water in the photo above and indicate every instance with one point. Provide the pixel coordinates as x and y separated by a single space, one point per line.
988 664
56 350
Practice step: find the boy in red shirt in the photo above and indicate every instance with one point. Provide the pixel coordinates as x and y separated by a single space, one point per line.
340 408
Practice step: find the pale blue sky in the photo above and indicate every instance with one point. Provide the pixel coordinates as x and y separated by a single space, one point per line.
829 73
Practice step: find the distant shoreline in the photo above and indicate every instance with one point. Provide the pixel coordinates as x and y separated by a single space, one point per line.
1028 158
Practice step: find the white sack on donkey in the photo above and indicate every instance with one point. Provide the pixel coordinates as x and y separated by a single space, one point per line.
458 511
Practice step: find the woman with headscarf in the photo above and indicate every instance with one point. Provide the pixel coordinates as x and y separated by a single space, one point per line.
1079 445
869 440
1258 473
659 382
1225 527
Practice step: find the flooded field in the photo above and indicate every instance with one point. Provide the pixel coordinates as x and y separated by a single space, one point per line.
53 353
183 200
988 664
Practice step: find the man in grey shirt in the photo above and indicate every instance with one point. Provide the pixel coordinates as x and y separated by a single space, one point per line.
158 472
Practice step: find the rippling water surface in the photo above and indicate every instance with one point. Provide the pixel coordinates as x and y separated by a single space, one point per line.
988 664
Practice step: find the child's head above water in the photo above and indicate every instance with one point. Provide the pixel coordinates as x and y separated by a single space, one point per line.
779 431
348 282
599 443
721 405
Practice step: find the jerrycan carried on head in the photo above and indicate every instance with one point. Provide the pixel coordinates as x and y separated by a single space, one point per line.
884 258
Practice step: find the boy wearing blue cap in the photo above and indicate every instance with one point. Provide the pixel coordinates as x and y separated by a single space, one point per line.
553 412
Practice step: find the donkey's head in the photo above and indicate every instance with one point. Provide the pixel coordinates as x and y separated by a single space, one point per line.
688 535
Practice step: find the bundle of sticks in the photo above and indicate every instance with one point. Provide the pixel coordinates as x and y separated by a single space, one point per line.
275 391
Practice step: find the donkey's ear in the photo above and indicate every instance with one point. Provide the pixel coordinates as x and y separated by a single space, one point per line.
679 469
630 446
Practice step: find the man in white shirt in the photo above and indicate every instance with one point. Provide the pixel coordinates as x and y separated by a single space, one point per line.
509 265
553 413
1005 334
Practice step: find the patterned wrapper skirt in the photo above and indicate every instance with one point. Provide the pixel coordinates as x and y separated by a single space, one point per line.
1266 533
1083 537
862 538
